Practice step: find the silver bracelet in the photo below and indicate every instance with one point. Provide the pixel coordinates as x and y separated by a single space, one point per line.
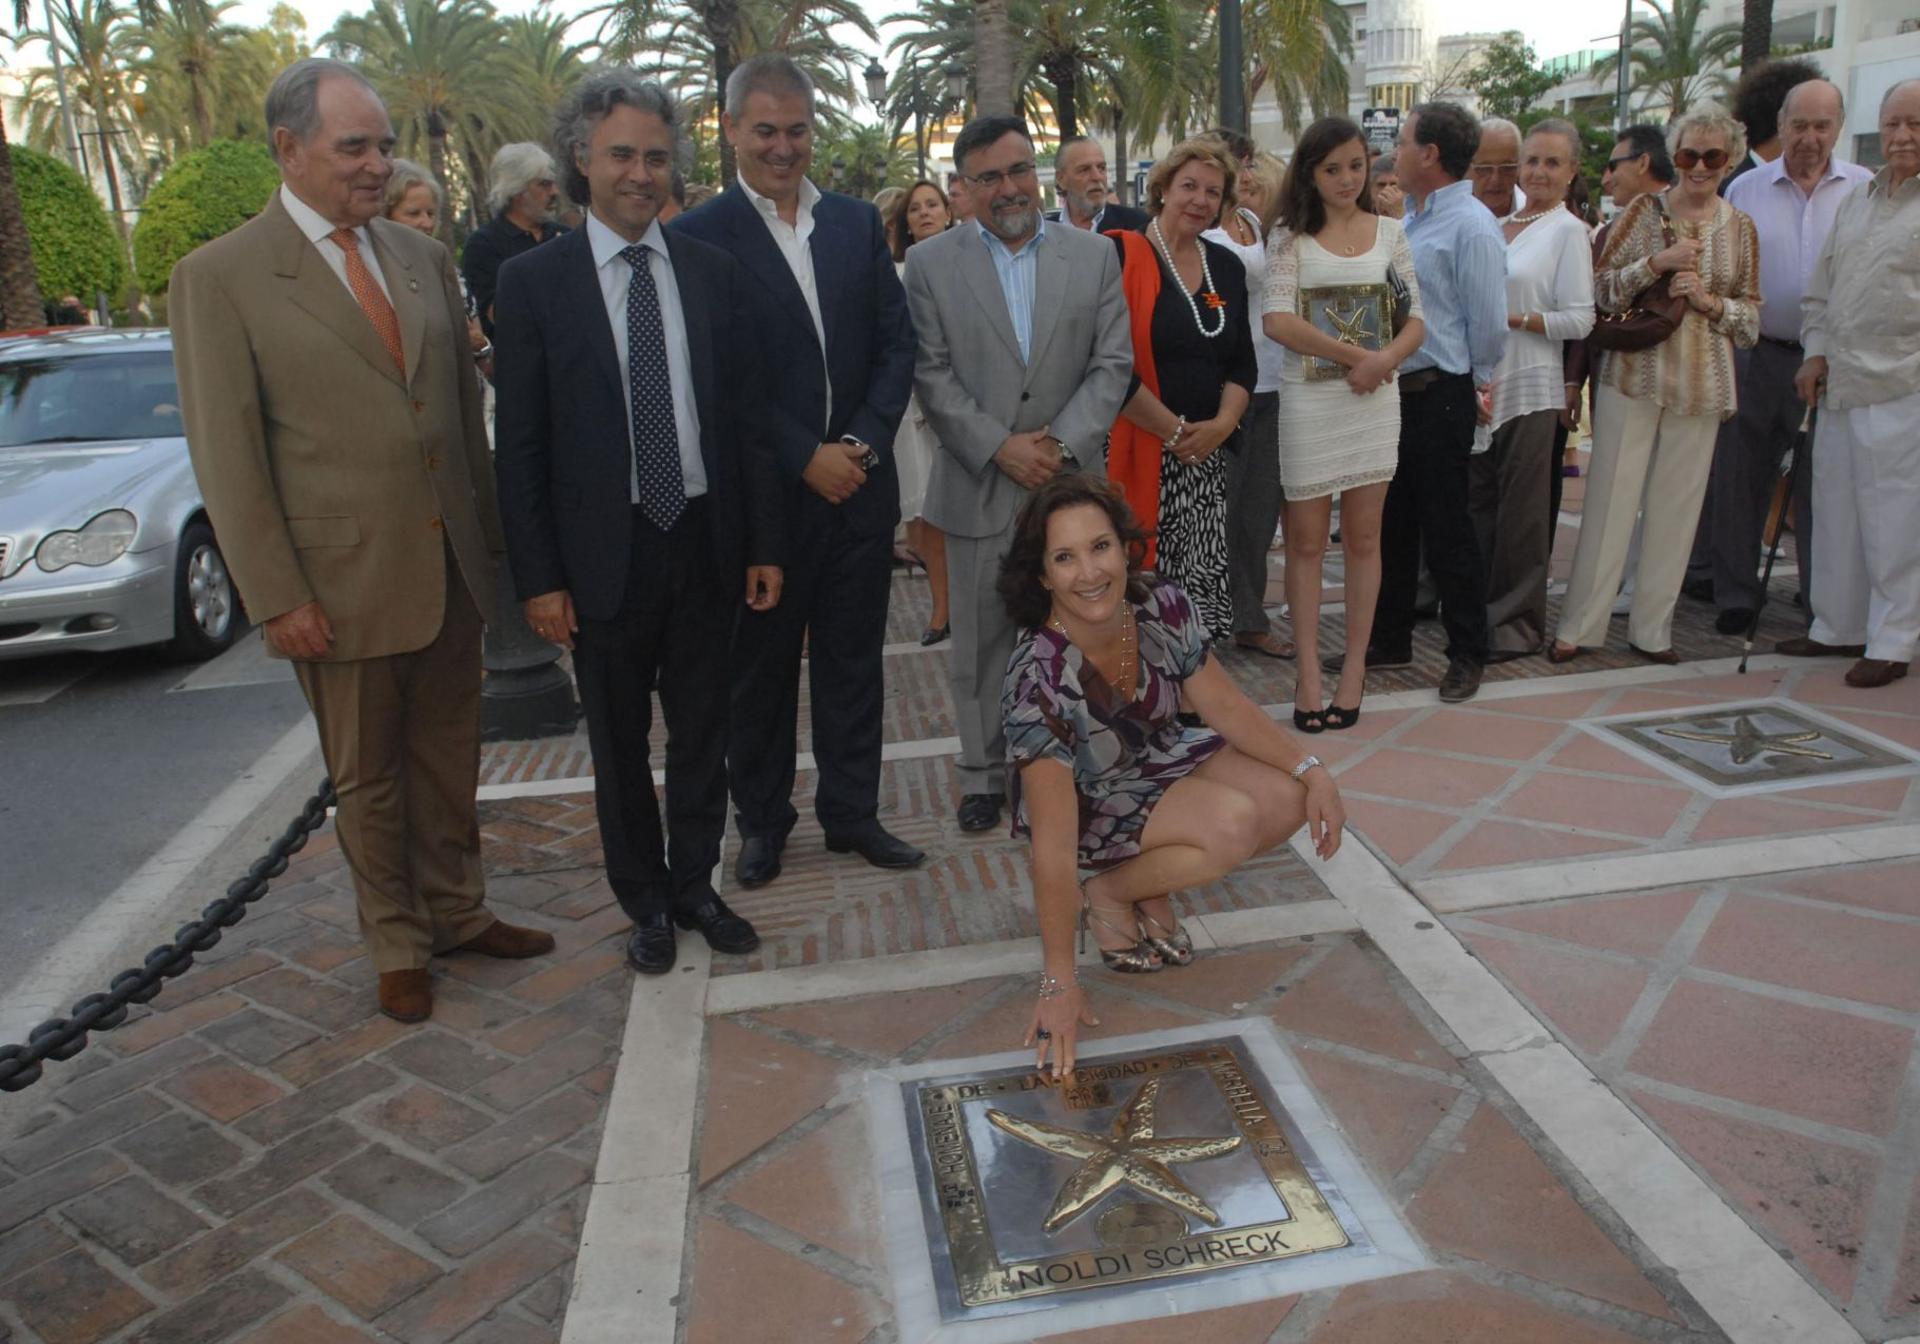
1052 987
1173 438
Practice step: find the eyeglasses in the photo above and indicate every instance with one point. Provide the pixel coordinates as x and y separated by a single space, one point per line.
1496 169
1613 165
1687 159
993 177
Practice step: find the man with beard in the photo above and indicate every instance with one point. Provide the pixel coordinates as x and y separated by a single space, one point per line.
524 193
1024 362
1086 201
833 399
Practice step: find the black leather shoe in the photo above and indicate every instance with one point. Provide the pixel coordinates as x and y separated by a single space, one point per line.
877 847
979 812
1378 660
1462 681
759 861
1734 620
723 930
1700 590
650 947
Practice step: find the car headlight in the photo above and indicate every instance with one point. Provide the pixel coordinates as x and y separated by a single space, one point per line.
102 541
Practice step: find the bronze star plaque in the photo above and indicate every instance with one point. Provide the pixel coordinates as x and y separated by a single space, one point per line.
1755 747
1145 1167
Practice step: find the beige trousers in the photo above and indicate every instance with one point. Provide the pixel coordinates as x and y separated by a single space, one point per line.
401 738
1646 460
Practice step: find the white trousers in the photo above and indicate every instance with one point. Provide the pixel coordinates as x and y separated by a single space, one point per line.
1647 461
1866 551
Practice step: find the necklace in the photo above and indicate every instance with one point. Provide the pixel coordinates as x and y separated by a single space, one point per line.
1214 301
1127 683
1538 214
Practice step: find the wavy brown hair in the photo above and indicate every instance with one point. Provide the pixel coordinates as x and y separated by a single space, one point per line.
1301 209
895 218
1027 601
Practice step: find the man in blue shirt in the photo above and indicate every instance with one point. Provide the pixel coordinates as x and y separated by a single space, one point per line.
1461 262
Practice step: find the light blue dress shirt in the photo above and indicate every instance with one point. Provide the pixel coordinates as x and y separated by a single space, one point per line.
1460 258
1017 271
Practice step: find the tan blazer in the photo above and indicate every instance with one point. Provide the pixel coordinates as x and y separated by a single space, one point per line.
328 475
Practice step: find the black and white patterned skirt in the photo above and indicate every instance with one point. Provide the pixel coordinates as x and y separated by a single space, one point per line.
1193 535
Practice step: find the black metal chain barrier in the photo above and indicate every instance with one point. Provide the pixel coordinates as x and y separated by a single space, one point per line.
65 1037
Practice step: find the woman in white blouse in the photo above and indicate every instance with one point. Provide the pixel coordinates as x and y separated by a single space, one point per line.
1549 302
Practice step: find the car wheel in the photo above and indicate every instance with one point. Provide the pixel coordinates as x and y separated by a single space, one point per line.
206 610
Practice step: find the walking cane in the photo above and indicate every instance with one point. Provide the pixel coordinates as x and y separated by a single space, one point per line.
1776 524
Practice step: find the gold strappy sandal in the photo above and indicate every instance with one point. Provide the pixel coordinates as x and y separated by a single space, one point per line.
1175 948
1139 959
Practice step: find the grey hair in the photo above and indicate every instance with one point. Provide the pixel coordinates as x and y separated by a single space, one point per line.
1500 124
1710 119
514 168
406 176
1839 96
1561 127
293 99
1384 164
603 89
1887 97
766 73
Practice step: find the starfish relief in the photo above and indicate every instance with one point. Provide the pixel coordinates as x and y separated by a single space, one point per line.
1746 742
1350 327
1128 1155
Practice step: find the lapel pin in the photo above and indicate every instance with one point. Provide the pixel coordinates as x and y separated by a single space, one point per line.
413 286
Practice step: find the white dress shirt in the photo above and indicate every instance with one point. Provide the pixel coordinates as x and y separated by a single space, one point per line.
1792 227
1019 279
616 274
795 243
318 228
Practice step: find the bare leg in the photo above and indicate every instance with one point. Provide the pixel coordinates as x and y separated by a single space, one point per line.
1360 538
1306 541
931 543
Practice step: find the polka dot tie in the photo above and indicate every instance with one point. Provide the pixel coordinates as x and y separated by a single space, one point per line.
656 436
372 300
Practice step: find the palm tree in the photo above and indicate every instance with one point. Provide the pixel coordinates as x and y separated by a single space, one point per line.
193 40
89 36
19 285
440 65
1301 49
1672 62
1756 32
993 70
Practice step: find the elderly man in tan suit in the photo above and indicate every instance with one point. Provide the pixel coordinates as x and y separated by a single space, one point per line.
334 418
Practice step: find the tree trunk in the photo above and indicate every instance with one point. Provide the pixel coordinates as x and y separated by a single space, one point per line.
1063 71
1756 32
993 55
437 165
720 19
19 285
1122 170
202 110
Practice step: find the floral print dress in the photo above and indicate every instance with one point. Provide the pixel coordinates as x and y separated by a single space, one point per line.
1123 754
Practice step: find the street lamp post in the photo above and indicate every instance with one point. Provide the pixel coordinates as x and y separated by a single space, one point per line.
955 75
1620 94
1233 88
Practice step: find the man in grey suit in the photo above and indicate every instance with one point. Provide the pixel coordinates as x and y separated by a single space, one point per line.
1024 360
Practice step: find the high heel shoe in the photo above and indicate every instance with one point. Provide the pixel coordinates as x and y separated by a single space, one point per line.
1175 948
1339 717
1138 959
1310 720
935 634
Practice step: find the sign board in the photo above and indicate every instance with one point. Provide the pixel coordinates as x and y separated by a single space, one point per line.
1381 126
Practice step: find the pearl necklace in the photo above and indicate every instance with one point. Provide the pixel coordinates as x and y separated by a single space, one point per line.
1538 214
1214 301
1127 683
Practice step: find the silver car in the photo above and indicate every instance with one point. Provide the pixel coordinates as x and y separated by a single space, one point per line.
104 539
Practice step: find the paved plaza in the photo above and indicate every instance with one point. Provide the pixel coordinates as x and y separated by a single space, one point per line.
1630 1051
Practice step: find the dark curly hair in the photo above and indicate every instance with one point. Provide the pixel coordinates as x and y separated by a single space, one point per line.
1761 91
1028 603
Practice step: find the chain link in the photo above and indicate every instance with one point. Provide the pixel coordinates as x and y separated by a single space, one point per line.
65 1037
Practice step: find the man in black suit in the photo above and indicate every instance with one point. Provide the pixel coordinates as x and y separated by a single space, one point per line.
838 318
634 498
1086 200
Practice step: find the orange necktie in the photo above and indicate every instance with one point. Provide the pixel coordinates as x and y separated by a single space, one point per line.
373 302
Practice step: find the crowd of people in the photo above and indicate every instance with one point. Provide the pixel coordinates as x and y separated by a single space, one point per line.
713 418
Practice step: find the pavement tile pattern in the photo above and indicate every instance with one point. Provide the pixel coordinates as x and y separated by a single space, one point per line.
786 1209
1769 1030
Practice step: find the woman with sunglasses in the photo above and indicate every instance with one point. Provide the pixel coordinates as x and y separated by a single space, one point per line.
1658 410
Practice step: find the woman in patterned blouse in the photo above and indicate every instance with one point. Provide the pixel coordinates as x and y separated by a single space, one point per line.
1657 411
1104 775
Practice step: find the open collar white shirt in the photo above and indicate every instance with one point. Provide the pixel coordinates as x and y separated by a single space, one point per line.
615 274
1792 226
319 231
1019 280
795 242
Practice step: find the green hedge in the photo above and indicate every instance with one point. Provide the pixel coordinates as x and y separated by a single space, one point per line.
75 249
202 196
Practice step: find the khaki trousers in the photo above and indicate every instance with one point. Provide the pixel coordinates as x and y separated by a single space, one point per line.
1645 460
401 738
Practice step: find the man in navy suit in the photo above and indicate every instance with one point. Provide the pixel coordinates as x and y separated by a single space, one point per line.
836 392
636 509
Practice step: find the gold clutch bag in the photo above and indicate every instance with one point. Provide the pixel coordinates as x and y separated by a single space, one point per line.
1359 315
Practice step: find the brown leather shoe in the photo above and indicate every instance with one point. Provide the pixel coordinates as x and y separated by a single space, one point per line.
1870 674
501 939
407 996
1664 657
1801 646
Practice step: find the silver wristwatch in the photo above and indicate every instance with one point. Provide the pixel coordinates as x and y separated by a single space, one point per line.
1304 766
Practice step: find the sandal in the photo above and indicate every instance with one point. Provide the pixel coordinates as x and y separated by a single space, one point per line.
1138 959
1310 720
1339 717
1175 948
1266 643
